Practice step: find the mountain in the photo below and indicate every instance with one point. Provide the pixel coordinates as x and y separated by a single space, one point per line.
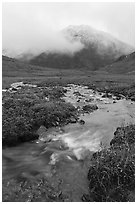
125 64
104 43
100 49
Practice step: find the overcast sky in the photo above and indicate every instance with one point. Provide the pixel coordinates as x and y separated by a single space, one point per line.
30 25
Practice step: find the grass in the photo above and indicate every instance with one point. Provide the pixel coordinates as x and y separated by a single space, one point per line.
13 71
112 172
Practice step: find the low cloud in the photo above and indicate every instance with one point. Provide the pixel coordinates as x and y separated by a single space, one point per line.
36 43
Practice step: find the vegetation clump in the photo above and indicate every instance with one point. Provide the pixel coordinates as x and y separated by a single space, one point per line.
120 91
26 110
34 190
54 93
124 135
112 172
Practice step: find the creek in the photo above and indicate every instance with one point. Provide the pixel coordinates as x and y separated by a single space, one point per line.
62 154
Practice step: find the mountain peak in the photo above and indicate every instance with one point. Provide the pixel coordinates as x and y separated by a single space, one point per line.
100 39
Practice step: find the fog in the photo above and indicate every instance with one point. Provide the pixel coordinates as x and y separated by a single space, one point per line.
38 42
35 27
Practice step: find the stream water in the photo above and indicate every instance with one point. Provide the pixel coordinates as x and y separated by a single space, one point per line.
65 156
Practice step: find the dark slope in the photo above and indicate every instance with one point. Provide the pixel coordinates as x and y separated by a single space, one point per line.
100 49
84 59
125 64
12 67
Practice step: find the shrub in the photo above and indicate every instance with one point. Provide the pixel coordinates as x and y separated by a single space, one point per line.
25 111
54 92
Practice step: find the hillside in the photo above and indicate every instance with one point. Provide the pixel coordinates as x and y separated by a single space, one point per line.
13 67
125 64
14 70
100 49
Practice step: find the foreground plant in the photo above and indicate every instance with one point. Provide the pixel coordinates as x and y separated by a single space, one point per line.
112 172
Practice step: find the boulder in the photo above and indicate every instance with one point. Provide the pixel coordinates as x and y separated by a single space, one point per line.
89 108
42 132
